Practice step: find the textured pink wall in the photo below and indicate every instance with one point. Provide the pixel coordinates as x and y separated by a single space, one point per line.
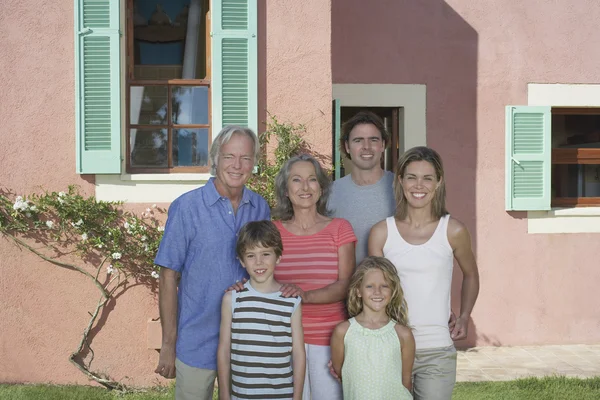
298 66
475 58
44 308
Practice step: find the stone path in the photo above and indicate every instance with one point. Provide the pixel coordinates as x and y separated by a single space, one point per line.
506 363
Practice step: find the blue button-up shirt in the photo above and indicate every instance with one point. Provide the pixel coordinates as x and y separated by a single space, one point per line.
199 242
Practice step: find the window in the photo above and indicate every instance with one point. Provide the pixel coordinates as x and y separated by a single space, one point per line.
553 157
575 156
168 86
188 72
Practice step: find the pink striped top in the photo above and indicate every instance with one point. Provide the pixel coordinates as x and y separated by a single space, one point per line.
311 262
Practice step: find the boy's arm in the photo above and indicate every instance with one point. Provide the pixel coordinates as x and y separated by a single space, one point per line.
337 347
407 347
224 349
298 353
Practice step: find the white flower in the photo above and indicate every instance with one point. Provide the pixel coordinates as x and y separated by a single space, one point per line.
20 204
154 274
61 201
33 208
126 225
146 248
153 205
148 210
143 238
28 215
100 245
50 224
84 236
79 222
116 256
61 194
110 269
161 228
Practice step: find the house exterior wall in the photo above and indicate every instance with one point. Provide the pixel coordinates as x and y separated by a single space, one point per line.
473 57
44 308
476 58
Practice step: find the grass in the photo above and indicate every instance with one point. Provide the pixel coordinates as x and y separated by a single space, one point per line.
550 388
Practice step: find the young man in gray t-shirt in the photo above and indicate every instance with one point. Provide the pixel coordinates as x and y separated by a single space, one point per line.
366 196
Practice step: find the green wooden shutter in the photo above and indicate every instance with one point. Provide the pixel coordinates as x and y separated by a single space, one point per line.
234 64
528 158
97 86
337 129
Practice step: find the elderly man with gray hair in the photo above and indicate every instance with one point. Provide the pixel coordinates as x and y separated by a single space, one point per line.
197 256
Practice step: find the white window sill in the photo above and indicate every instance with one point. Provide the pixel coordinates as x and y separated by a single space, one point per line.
147 188
165 177
574 212
564 220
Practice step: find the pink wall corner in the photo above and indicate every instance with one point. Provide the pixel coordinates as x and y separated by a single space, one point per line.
298 67
475 59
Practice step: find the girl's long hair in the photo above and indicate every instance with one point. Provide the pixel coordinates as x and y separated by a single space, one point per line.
396 308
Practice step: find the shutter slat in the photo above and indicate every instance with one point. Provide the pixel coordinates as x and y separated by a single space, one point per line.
234 90
528 138
235 14
98 86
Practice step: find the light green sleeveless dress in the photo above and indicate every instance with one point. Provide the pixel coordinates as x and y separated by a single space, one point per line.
372 368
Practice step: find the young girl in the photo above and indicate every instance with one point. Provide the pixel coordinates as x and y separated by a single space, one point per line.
371 350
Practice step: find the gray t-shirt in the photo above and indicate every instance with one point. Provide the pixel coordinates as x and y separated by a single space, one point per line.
362 206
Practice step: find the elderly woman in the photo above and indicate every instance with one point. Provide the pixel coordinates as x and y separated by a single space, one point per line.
317 263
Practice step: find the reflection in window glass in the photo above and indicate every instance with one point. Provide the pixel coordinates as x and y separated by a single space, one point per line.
190 147
148 148
576 180
190 105
148 105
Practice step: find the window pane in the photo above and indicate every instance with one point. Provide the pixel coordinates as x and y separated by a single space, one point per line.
190 147
160 39
148 105
148 148
576 180
190 105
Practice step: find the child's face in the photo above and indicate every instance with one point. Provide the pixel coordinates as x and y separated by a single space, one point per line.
375 291
260 263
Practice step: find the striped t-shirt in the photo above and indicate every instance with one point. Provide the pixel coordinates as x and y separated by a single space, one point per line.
261 345
312 262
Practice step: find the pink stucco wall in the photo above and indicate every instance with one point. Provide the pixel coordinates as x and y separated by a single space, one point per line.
44 308
475 58
298 67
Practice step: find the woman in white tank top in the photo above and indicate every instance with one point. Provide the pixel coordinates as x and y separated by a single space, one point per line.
422 241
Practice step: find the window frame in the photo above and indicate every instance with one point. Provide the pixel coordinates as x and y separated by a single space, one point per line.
130 81
577 156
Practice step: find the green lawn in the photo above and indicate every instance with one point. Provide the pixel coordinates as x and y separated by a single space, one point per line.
557 388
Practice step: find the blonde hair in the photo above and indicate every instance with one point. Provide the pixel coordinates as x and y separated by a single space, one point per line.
396 308
421 153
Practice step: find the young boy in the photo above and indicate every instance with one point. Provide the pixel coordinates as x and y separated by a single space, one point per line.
261 344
